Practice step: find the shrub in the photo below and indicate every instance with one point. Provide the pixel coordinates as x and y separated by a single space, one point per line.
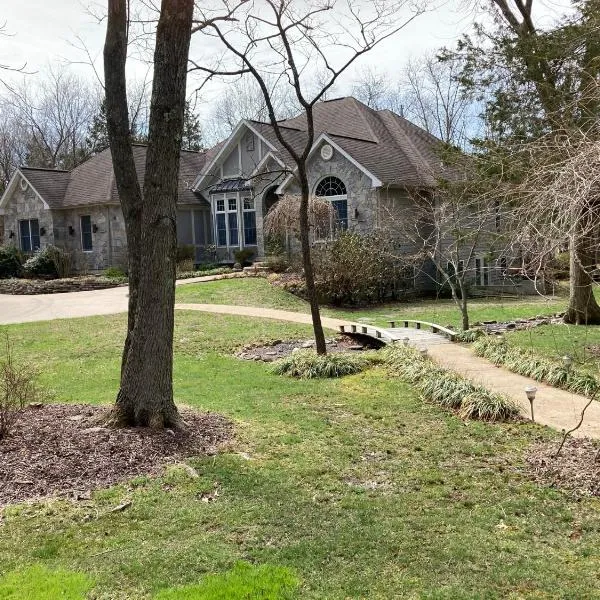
307 364
277 264
11 262
17 388
469 336
356 270
49 262
244 257
115 273
186 252
447 389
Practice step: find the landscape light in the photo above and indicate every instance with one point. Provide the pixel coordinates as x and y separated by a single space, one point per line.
530 392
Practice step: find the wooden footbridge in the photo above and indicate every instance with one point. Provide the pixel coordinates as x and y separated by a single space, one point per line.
415 333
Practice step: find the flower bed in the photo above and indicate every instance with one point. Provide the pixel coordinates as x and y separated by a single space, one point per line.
58 286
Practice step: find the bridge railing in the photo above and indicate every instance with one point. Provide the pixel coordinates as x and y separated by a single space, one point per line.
382 333
435 328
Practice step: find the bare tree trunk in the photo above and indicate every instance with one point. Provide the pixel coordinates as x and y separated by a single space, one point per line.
117 117
583 308
146 394
309 275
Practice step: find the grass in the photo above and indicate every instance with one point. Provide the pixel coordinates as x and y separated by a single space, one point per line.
259 292
556 341
333 489
243 292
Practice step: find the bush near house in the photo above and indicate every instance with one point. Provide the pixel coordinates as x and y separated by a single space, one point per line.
49 263
11 262
357 270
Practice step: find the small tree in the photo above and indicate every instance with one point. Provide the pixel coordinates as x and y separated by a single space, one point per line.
448 228
287 38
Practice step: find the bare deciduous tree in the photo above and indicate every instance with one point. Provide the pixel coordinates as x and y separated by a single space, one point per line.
146 393
287 38
56 111
433 99
555 206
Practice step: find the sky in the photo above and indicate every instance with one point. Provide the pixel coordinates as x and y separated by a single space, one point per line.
46 32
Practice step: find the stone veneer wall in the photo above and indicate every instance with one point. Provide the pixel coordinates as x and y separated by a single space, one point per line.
25 204
362 198
109 241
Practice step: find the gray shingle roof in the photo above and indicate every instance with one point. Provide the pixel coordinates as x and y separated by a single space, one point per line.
393 149
92 182
50 184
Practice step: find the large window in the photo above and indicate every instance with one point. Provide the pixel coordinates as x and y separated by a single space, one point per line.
227 222
249 211
87 244
482 272
29 231
335 191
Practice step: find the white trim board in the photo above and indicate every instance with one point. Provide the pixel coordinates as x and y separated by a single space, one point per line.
375 181
11 185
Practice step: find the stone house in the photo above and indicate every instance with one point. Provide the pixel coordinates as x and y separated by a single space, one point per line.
79 210
367 163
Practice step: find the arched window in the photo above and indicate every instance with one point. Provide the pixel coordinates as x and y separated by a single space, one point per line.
334 190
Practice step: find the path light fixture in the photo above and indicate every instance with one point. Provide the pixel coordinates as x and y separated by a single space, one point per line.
531 391
406 341
423 352
568 362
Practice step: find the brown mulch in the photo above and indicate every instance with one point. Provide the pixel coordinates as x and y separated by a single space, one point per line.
63 450
575 470
280 349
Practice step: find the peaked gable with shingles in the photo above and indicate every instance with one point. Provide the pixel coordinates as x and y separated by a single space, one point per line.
93 183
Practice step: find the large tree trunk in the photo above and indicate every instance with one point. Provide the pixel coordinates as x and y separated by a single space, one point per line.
146 394
583 308
118 127
309 275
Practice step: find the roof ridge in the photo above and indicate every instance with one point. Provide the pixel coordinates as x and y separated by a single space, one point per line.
360 106
48 169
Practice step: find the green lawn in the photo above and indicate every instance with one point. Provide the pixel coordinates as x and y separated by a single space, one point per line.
259 292
243 292
555 341
340 489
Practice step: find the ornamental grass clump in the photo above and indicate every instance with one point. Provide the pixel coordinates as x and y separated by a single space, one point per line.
487 406
307 364
526 363
445 388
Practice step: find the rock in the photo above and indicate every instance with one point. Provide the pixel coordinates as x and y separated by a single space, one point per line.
76 418
270 353
511 326
93 430
355 348
308 344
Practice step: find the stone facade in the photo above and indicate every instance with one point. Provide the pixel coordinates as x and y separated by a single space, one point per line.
25 205
109 243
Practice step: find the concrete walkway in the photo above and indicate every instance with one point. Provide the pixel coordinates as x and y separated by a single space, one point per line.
553 407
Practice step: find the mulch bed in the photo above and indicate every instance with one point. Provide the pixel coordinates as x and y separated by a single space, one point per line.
62 450
30 287
280 349
575 470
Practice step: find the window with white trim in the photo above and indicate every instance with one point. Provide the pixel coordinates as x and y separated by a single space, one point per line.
29 234
221 222
87 244
334 190
482 271
249 216
226 221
